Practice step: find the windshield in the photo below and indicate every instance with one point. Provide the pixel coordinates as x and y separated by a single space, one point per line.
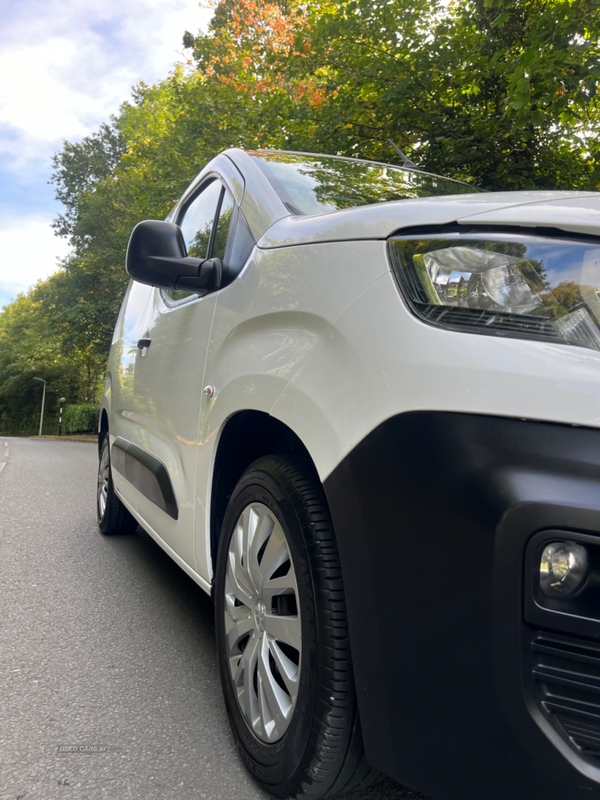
309 184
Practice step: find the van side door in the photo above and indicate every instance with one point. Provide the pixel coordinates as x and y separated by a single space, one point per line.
168 382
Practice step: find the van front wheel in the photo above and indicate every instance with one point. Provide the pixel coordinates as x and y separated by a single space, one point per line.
282 635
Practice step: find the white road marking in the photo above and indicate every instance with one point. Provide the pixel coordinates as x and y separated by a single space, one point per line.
2 465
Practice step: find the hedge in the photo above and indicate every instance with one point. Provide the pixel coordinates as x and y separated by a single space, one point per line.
80 418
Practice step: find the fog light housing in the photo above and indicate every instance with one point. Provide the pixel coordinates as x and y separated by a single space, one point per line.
563 569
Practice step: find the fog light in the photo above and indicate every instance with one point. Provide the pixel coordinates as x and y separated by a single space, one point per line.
563 569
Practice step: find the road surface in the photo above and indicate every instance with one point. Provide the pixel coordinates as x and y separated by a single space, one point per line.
105 645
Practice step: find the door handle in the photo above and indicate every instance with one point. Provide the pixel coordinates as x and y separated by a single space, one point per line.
144 344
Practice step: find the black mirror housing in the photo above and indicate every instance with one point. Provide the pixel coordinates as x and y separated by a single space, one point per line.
157 256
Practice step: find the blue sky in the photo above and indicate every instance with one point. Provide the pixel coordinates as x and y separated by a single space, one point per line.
66 66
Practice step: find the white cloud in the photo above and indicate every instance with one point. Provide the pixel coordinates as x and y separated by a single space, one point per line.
69 64
38 101
29 251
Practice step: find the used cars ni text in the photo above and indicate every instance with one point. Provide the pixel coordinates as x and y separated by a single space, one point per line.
360 406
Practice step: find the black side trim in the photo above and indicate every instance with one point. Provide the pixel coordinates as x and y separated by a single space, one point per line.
146 473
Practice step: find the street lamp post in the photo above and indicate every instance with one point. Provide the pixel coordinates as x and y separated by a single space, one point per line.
61 401
43 401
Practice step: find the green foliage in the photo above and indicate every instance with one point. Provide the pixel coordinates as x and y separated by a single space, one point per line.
80 418
34 342
499 92
80 167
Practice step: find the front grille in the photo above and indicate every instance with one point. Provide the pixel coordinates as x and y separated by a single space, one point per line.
566 675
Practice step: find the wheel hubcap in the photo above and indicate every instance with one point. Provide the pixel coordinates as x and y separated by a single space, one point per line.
103 477
263 637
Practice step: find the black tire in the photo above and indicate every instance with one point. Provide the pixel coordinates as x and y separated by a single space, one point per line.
113 518
321 752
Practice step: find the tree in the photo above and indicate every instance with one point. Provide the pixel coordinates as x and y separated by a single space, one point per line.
502 92
30 345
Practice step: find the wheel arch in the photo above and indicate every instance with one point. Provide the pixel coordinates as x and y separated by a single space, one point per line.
246 436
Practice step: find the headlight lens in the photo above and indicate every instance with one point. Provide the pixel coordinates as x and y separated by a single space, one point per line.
524 287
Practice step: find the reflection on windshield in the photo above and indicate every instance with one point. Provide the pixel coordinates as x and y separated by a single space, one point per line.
316 184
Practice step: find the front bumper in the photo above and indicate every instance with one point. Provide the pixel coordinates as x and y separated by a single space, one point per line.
433 513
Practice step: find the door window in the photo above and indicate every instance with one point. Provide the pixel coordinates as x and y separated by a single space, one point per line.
197 227
197 223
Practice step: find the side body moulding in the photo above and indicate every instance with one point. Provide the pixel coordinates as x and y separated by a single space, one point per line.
146 473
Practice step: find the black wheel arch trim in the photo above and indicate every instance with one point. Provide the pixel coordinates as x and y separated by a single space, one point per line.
146 472
433 512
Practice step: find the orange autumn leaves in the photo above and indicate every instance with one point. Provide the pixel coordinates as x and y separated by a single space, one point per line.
258 51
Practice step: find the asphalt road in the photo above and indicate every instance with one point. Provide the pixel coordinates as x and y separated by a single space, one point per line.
105 643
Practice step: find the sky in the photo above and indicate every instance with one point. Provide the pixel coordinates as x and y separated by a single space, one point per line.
66 66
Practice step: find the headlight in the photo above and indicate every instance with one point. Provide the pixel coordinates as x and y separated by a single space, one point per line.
520 286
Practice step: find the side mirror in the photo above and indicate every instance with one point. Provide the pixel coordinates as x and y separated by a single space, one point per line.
156 255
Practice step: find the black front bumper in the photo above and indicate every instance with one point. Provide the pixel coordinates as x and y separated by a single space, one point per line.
433 513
